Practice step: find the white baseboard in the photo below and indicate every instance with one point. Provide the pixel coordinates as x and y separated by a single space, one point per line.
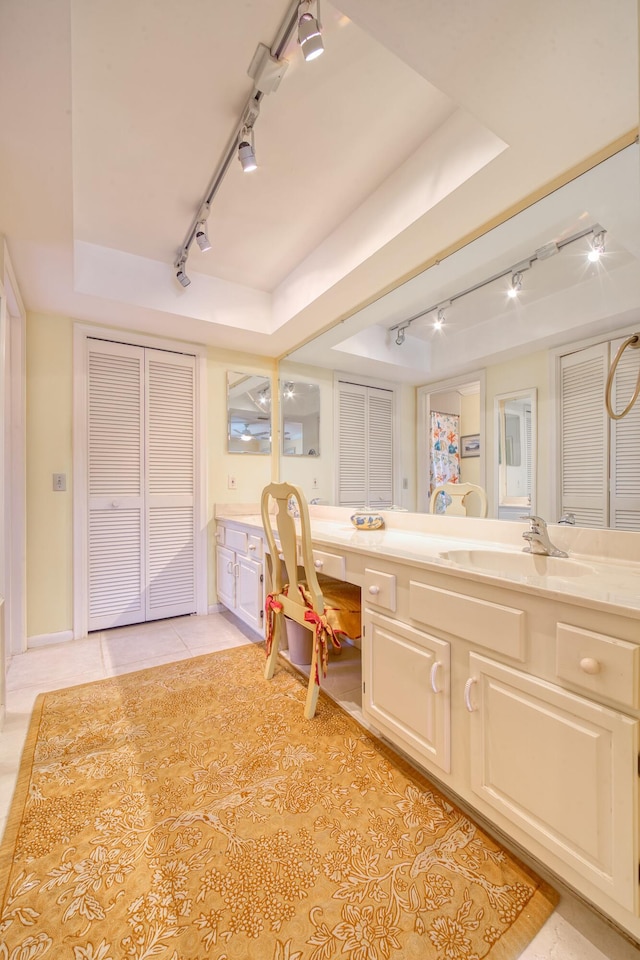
216 608
46 639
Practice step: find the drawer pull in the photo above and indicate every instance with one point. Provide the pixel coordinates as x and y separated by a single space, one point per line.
252 546
318 564
590 665
374 590
433 677
467 694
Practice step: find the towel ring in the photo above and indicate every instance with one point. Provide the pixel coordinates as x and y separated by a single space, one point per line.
632 341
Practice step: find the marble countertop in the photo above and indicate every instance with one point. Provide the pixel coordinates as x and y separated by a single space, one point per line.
588 579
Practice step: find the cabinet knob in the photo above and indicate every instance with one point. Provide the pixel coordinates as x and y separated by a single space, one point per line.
252 546
317 564
374 590
590 665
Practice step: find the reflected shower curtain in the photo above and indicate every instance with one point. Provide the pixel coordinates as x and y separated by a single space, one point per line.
444 453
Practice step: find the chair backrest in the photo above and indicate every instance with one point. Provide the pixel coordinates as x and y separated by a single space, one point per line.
458 492
283 494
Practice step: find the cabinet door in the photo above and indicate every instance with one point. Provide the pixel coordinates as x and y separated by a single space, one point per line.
406 688
225 574
249 592
564 769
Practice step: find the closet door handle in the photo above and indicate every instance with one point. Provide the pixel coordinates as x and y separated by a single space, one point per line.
467 694
433 677
115 503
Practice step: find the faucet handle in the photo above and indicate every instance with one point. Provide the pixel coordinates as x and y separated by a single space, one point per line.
537 523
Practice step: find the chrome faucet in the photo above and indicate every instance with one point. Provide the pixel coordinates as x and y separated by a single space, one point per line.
538 539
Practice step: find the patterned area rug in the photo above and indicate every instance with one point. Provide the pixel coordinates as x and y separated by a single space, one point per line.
190 811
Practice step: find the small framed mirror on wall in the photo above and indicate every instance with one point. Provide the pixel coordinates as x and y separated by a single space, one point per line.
515 426
248 413
300 406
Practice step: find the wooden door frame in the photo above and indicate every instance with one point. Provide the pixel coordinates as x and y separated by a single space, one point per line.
82 333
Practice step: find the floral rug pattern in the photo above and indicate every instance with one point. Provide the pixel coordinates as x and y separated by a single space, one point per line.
190 811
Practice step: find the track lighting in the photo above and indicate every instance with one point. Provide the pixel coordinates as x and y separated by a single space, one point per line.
439 320
246 151
597 247
309 35
288 392
516 286
202 238
181 276
402 331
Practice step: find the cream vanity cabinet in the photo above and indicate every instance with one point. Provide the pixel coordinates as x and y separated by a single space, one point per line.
240 574
517 705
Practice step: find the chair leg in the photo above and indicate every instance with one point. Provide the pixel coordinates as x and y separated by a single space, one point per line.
313 689
270 666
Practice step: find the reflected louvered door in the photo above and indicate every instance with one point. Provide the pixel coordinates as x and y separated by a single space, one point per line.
365 446
625 443
170 430
116 573
585 436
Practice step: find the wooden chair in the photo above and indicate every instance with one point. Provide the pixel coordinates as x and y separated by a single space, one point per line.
328 607
458 492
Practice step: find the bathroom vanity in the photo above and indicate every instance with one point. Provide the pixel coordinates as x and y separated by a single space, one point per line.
512 679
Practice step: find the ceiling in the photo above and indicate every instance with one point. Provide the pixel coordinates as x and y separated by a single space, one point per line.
421 122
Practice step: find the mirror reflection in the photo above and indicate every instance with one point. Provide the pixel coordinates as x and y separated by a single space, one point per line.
542 299
248 413
515 430
300 410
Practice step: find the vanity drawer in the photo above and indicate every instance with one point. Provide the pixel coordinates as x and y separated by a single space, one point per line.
485 624
599 663
255 546
235 540
330 564
380 589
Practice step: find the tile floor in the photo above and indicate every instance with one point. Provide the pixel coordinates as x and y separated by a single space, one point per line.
572 933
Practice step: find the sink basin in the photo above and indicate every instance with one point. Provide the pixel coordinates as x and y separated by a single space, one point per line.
517 564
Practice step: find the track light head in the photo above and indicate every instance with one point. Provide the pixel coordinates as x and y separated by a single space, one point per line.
401 334
181 276
516 286
202 238
438 323
309 36
597 247
246 156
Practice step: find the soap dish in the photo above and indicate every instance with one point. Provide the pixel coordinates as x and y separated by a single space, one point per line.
366 520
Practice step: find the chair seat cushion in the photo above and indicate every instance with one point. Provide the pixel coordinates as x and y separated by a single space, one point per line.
341 605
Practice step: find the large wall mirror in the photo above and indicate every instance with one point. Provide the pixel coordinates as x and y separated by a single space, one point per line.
248 413
572 261
300 411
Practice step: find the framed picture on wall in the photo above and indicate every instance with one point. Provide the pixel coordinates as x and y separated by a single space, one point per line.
470 445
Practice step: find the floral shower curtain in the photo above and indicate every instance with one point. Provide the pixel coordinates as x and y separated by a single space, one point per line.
445 452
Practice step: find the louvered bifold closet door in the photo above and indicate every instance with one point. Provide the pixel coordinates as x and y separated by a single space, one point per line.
170 507
352 445
625 443
365 446
115 484
584 431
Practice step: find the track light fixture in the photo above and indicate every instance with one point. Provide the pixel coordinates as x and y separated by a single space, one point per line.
401 334
202 238
266 69
181 276
514 272
516 286
438 323
246 151
309 32
597 247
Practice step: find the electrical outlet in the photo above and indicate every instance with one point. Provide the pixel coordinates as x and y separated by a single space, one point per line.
232 482
314 483
59 481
